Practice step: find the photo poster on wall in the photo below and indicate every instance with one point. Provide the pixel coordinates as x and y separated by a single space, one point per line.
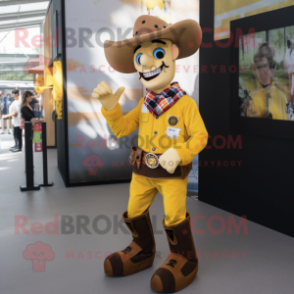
227 10
96 155
266 85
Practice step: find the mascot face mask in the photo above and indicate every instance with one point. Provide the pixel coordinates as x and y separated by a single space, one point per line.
155 62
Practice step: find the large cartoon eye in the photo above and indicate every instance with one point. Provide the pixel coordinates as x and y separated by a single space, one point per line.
138 58
158 53
42 252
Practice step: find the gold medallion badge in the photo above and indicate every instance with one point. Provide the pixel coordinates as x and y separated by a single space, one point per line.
151 160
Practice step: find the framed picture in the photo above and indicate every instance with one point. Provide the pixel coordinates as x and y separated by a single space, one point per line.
262 74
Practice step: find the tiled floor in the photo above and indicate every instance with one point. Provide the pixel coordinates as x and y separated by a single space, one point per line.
258 261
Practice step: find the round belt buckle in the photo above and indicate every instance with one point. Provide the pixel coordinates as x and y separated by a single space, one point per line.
151 160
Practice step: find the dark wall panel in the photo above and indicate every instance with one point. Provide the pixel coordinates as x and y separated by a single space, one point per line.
262 187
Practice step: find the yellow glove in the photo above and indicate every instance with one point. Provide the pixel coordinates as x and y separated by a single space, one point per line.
169 160
104 94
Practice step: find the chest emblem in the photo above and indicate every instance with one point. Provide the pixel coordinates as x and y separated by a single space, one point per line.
172 120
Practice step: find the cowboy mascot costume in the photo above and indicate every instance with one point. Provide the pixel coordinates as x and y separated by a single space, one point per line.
171 134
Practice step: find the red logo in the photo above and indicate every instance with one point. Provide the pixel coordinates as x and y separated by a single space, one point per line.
92 162
39 253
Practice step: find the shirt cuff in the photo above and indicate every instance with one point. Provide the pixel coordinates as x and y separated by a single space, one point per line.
112 114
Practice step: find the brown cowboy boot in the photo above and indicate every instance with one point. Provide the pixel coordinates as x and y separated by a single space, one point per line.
181 266
140 254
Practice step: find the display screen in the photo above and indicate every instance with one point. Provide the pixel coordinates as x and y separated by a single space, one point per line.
266 74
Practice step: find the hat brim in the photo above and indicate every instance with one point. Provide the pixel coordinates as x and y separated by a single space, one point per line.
186 34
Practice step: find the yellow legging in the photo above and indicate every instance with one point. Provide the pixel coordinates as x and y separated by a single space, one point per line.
143 191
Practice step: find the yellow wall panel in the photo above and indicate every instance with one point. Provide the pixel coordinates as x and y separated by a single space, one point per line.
227 10
223 6
270 8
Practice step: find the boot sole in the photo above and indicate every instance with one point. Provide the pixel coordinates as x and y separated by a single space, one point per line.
190 280
135 267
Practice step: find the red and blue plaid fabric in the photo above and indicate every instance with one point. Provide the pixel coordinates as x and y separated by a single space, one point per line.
159 103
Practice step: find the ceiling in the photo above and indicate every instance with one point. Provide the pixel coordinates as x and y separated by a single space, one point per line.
22 13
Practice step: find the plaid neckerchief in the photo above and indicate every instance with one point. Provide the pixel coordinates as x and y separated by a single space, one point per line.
159 103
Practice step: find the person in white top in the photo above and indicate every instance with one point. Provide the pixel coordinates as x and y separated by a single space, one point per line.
289 65
16 121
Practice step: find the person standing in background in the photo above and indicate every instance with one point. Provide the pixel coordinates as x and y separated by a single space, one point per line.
36 105
10 98
4 112
27 112
16 121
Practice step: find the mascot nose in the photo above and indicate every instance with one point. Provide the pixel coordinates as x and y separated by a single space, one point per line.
146 61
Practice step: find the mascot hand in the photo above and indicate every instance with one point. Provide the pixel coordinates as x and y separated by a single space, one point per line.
104 94
169 160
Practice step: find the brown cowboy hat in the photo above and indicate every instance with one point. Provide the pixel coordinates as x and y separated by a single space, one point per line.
185 34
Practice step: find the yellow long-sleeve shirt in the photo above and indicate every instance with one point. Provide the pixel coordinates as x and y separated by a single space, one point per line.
180 127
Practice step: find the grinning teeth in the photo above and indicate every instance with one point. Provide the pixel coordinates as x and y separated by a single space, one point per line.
152 73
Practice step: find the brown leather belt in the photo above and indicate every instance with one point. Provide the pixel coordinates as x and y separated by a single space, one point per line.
146 164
